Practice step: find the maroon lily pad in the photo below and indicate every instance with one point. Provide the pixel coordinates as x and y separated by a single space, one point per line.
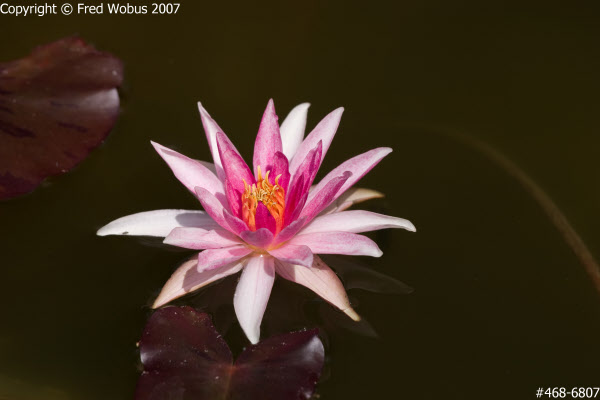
56 105
185 358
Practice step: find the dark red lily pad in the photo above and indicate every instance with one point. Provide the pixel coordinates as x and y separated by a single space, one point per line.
56 105
185 358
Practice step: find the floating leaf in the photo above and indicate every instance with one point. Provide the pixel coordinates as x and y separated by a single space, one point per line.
56 105
185 358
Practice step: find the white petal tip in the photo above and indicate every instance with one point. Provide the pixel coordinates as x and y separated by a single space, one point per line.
253 337
165 298
160 301
202 110
405 224
352 314
156 304
108 230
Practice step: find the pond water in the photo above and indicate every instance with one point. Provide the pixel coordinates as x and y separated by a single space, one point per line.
501 305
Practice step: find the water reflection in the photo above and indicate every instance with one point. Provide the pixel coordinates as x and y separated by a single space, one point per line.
292 306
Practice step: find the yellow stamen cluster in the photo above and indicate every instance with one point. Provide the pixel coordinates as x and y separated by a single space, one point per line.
272 196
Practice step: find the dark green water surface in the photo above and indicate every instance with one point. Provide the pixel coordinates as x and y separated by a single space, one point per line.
501 305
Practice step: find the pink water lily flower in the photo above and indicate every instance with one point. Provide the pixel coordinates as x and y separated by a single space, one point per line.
267 220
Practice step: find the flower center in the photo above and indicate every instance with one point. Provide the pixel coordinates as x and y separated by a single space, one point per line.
272 196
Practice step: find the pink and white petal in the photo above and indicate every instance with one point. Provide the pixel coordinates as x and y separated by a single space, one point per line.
324 131
290 231
297 192
338 243
186 279
233 163
213 207
252 294
280 168
201 239
292 129
264 219
308 168
356 221
321 280
157 223
215 258
234 198
211 128
350 197
235 168
268 140
324 196
293 254
210 166
236 224
190 172
359 166
294 213
260 238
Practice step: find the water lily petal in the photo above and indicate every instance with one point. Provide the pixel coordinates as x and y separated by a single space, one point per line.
215 258
295 200
252 294
292 129
268 140
260 238
321 280
338 243
294 254
157 223
324 196
235 168
350 197
211 128
186 279
280 168
356 221
200 239
264 219
298 189
359 166
236 224
308 168
324 131
190 172
290 231
211 166
213 207
233 198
